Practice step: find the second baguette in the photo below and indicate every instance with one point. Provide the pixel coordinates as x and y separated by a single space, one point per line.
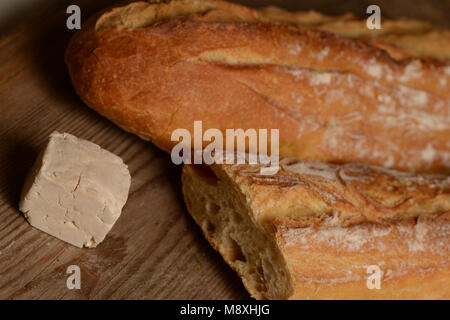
312 230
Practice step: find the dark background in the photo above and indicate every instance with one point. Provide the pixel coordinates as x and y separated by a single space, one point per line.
436 11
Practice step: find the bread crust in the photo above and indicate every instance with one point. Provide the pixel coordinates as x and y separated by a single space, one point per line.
331 262
331 222
153 68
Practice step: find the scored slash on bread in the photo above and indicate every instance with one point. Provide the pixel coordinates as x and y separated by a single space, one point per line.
347 96
311 230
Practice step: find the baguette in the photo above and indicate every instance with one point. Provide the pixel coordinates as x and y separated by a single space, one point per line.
311 230
355 95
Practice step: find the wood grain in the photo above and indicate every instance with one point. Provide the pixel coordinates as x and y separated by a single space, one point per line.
155 250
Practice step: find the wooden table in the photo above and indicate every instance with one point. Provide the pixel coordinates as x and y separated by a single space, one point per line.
155 250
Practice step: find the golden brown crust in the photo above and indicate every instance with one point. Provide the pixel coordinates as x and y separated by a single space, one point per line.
434 43
153 68
333 221
331 262
346 193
